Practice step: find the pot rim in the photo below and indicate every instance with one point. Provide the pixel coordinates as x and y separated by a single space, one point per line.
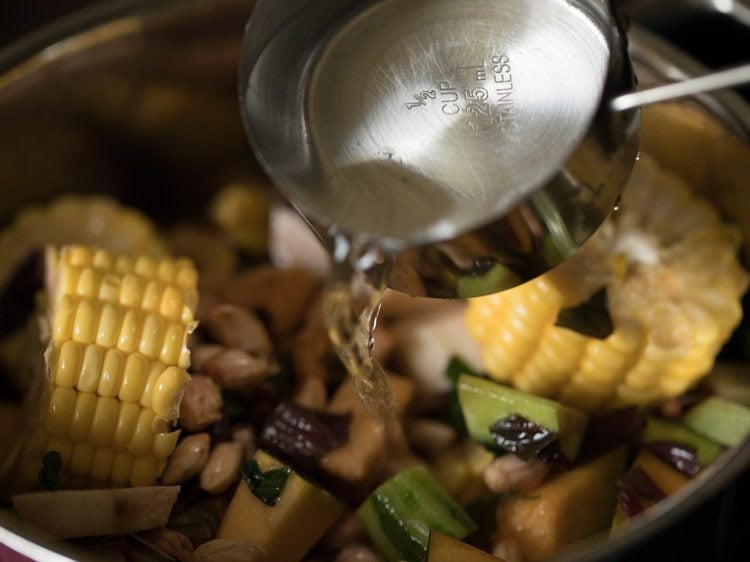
665 60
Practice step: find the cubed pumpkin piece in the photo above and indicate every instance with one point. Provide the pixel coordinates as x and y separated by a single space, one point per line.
287 530
360 459
447 549
571 506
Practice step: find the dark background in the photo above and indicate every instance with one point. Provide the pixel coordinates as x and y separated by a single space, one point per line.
720 530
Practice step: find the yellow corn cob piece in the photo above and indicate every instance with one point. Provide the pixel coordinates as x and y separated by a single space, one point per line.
674 288
241 210
71 219
116 360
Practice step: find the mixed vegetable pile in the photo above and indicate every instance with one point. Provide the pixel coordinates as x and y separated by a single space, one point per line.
193 408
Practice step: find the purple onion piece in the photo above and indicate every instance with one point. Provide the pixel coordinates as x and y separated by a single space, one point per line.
302 435
516 434
629 500
553 456
679 456
612 429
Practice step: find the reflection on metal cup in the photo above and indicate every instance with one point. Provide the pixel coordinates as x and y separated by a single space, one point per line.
471 139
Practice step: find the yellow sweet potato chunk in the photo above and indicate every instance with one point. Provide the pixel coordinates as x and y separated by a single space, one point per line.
288 529
570 507
447 549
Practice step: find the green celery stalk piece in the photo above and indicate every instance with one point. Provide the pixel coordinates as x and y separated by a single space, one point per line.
663 430
402 511
484 402
719 419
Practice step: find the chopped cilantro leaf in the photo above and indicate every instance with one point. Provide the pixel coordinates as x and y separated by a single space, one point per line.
266 486
49 475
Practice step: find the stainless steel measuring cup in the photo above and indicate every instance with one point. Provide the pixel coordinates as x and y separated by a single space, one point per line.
471 139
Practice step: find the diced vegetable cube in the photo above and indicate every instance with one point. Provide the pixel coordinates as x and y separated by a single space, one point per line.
719 419
400 514
570 507
484 403
286 516
447 549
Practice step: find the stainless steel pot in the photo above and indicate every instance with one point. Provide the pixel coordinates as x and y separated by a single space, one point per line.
138 99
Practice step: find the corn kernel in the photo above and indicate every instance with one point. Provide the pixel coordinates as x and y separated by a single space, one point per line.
131 331
134 378
144 471
121 468
109 325
125 427
60 411
88 283
174 341
80 256
143 436
168 392
91 369
152 337
86 321
68 279
191 303
83 417
123 264
187 277
103 427
152 296
171 303
111 376
103 259
155 370
167 271
81 459
68 364
145 266
131 291
164 444
62 326
109 290
101 464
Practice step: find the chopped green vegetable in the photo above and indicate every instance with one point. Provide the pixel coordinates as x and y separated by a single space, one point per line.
453 414
266 486
484 402
497 278
400 514
719 419
590 318
49 475
658 429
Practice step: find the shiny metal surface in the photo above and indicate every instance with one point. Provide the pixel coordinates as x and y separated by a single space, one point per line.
467 137
138 100
728 78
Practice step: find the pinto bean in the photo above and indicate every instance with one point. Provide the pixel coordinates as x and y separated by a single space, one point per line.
510 473
222 468
235 326
236 369
188 459
171 542
201 404
228 550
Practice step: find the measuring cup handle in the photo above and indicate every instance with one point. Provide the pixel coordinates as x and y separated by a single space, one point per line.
714 81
